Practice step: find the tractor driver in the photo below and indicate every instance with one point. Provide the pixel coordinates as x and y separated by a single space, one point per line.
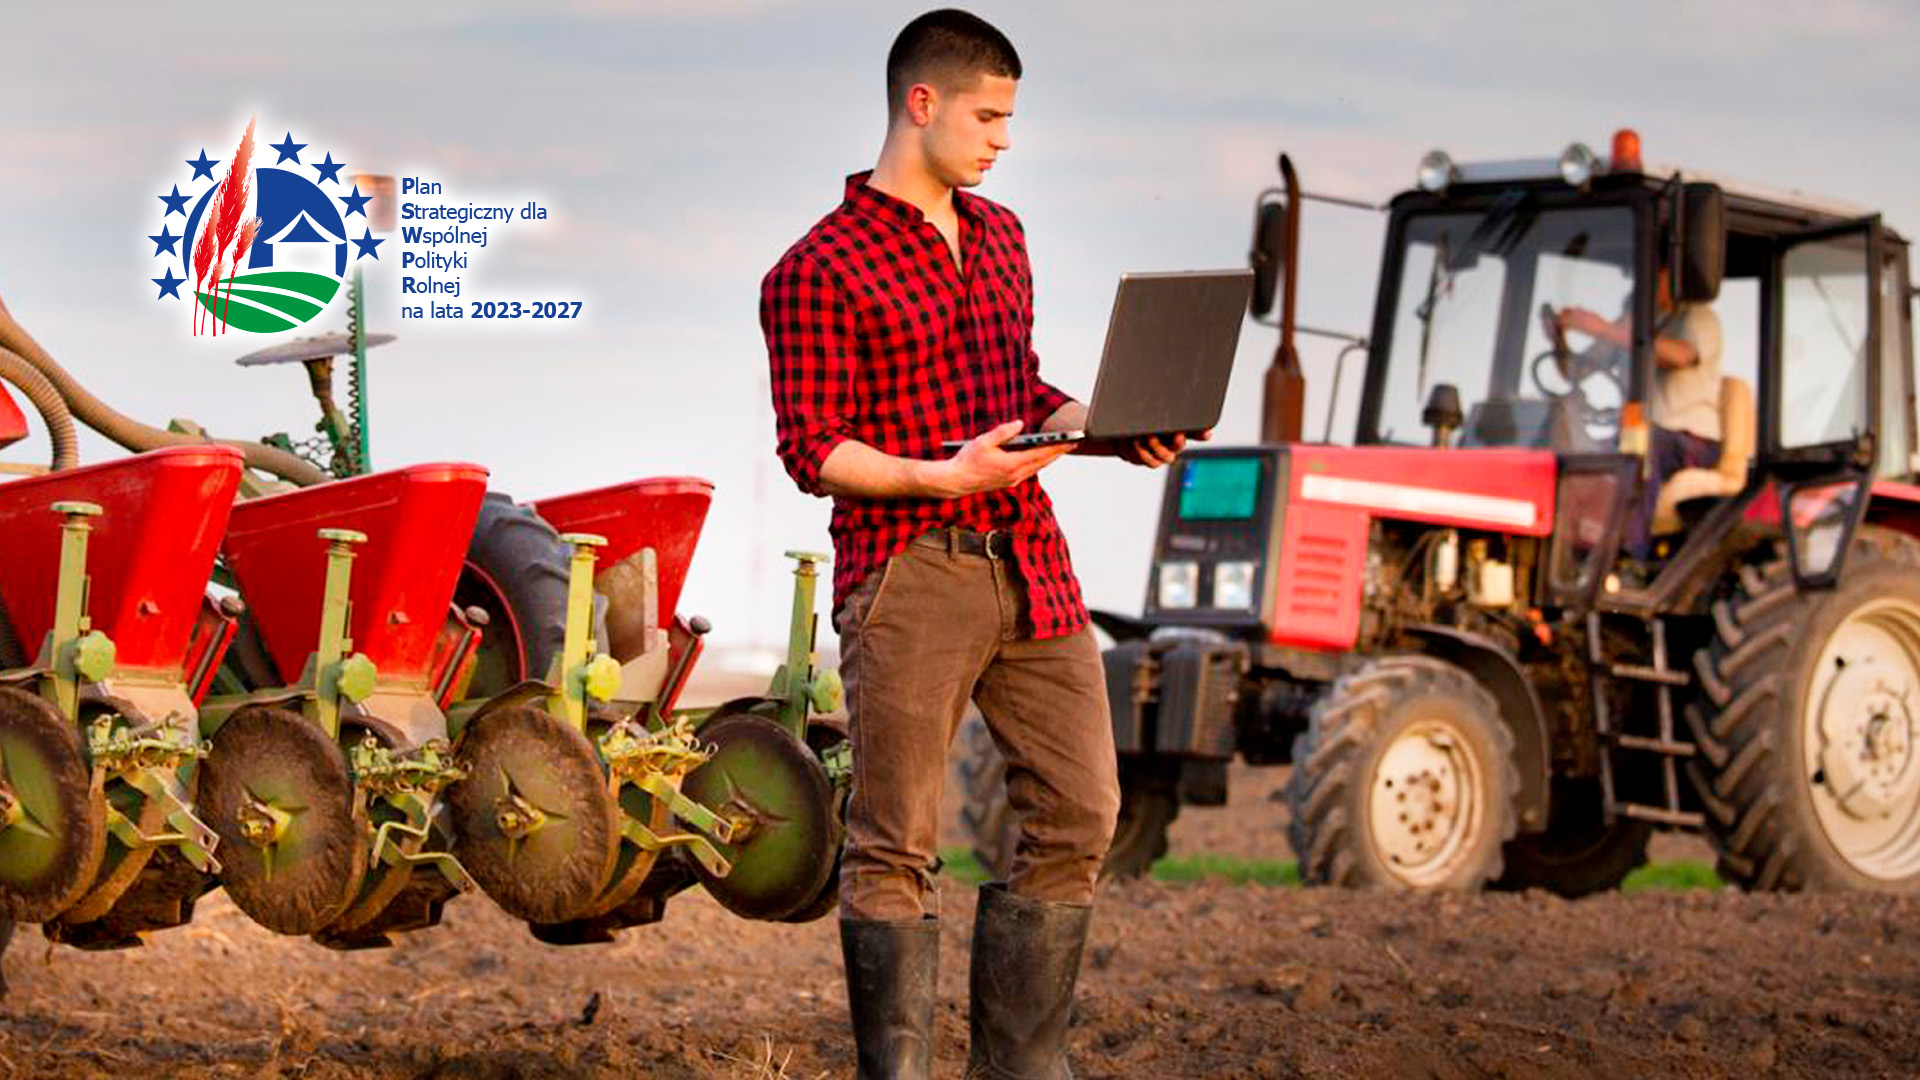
903 319
1685 416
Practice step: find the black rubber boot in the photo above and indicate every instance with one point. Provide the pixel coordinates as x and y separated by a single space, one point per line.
891 970
1026 958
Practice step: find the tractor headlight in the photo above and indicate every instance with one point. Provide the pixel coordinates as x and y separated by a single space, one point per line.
1436 172
1578 164
1233 585
1179 584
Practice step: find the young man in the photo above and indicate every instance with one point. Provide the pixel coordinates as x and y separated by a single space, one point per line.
901 320
1685 412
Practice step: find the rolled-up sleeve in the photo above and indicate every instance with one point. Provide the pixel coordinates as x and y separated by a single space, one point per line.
1046 398
812 355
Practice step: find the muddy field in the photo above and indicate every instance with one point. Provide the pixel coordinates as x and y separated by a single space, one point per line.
1205 980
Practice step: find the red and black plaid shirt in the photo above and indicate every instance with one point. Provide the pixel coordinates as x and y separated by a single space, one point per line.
874 335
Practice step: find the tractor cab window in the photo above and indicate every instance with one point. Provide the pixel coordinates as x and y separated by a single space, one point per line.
1825 306
1477 298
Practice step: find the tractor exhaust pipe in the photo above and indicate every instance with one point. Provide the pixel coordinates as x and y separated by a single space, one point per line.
131 433
1284 400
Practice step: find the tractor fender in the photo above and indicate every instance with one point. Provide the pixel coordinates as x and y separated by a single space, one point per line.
1494 666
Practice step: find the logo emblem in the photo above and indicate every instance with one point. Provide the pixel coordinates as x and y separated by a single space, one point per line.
263 249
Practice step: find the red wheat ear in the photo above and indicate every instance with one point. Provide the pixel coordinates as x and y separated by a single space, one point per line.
202 264
232 201
247 233
220 314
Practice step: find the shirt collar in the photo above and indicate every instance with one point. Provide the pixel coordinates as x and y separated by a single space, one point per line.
881 206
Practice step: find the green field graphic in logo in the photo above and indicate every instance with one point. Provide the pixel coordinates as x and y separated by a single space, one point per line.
269 301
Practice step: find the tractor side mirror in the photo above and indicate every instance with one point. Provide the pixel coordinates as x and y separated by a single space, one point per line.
1268 256
1819 518
1703 245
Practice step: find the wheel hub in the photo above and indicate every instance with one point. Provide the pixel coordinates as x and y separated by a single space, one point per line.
1422 809
1867 728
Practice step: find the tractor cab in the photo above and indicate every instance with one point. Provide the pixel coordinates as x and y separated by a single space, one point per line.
1515 383
1536 304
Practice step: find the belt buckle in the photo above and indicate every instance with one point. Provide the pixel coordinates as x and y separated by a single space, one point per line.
995 541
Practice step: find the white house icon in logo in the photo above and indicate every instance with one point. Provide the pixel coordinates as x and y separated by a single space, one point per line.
301 245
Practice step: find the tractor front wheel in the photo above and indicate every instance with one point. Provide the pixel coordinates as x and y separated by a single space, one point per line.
1404 779
1811 730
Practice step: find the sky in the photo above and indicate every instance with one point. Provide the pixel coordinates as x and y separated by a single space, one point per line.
682 146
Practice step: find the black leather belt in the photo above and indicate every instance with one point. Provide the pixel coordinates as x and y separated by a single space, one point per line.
996 544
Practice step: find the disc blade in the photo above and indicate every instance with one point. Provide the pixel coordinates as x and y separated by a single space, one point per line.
535 818
51 852
765 778
121 865
297 874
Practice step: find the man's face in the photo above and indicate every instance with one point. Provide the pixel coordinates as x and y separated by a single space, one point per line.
966 129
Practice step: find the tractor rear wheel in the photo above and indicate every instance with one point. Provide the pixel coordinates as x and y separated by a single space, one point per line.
1404 779
1810 728
517 573
1148 805
1578 853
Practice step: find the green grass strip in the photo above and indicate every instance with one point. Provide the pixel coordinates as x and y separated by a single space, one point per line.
1672 877
960 864
1207 867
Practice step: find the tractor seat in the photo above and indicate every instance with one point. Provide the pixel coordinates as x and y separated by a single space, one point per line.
1727 476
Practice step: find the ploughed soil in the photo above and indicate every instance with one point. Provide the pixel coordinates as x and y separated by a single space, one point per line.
1181 980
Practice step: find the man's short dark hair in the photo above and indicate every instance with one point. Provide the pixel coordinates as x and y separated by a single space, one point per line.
947 49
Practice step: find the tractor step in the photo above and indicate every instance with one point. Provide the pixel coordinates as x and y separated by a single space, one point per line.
1643 673
1680 819
1655 746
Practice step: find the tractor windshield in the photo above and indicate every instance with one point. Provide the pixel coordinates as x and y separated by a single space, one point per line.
1478 294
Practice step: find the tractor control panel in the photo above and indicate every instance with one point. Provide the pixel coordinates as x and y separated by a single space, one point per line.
1218 539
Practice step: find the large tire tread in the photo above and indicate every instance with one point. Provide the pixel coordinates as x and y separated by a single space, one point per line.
525 558
1765 837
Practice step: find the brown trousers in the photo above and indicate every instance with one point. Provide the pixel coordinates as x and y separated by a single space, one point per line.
921 636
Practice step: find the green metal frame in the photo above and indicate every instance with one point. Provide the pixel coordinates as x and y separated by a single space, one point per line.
799 685
158 764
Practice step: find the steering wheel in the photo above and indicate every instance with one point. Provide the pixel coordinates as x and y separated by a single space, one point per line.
1606 362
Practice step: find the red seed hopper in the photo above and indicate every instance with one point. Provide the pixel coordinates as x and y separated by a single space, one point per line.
150 552
417 521
100 754
664 513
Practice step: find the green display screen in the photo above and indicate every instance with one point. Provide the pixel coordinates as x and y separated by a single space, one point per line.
1219 489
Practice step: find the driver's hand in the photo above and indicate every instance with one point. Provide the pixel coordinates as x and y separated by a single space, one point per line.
981 465
1582 321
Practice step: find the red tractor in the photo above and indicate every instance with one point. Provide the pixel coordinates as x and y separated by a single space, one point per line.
1439 627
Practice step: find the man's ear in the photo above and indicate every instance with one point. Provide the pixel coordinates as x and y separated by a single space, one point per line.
921 99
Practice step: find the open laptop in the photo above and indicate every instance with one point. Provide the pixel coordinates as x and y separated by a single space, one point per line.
1169 353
